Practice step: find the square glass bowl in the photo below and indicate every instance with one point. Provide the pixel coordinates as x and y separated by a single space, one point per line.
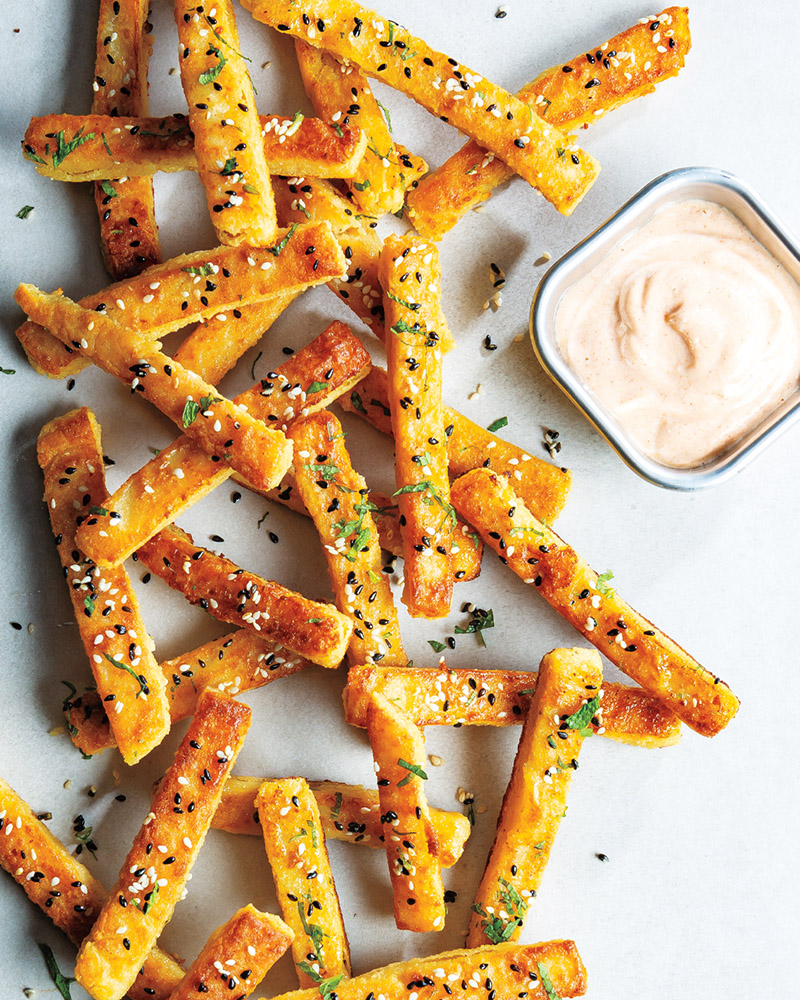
686 183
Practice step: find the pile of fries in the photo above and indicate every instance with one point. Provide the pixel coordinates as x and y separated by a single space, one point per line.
288 198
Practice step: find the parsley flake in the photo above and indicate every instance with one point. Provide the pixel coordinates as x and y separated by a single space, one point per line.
25 211
280 246
190 412
478 621
210 75
61 982
63 149
495 425
581 719
108 189
412 769
435 645
544 975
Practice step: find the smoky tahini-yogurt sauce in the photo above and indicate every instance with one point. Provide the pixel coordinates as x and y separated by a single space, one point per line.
688 331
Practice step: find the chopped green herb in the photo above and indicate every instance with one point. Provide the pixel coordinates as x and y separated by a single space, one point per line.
206 402
88 603
316 387
85 837
313 621
338 130
63 149
412 769
102 511
423 486
551 743
252 189
495 425
229 167
337 805
253 366
281 245
129 670
362 186
25 211
540 846
581 719
601 585
297 121
105 143
325 986
61 982
314 932
357 402
413 306
210 75
30 155
544 975
386 114
479 620
66 707
262 518
436 646
199 272
190 411
11 371
108 189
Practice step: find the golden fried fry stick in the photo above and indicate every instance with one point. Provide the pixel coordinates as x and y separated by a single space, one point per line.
445 696
181 290
544 487
348 812
337 499
98 147
236 957
341 94
155 495
128 230
237 662
496 119
569 689
398 749
568 96
295 845
155 872
415 393
106 609
466 548
301 198
225 125
219 427
212 351
66 890
540 558
511 968
314 630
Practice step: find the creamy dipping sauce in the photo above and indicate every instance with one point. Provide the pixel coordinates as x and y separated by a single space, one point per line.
688 332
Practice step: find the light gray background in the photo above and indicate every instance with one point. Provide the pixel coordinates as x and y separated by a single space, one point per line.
699 896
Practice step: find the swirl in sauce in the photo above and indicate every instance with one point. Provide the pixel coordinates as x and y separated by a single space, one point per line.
688 331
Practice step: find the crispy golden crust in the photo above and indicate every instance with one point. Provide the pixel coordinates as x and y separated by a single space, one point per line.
217 426
398 749
539 557
314 630
350 813
337 498
443 696
119 648
414 361
237 662
154 496
168 296
236 957
341 94
295 845
139 147
512 968
226 128
536 797
566 98
466 548
140 905
65 889
499 121
128 230
543 487
300 198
